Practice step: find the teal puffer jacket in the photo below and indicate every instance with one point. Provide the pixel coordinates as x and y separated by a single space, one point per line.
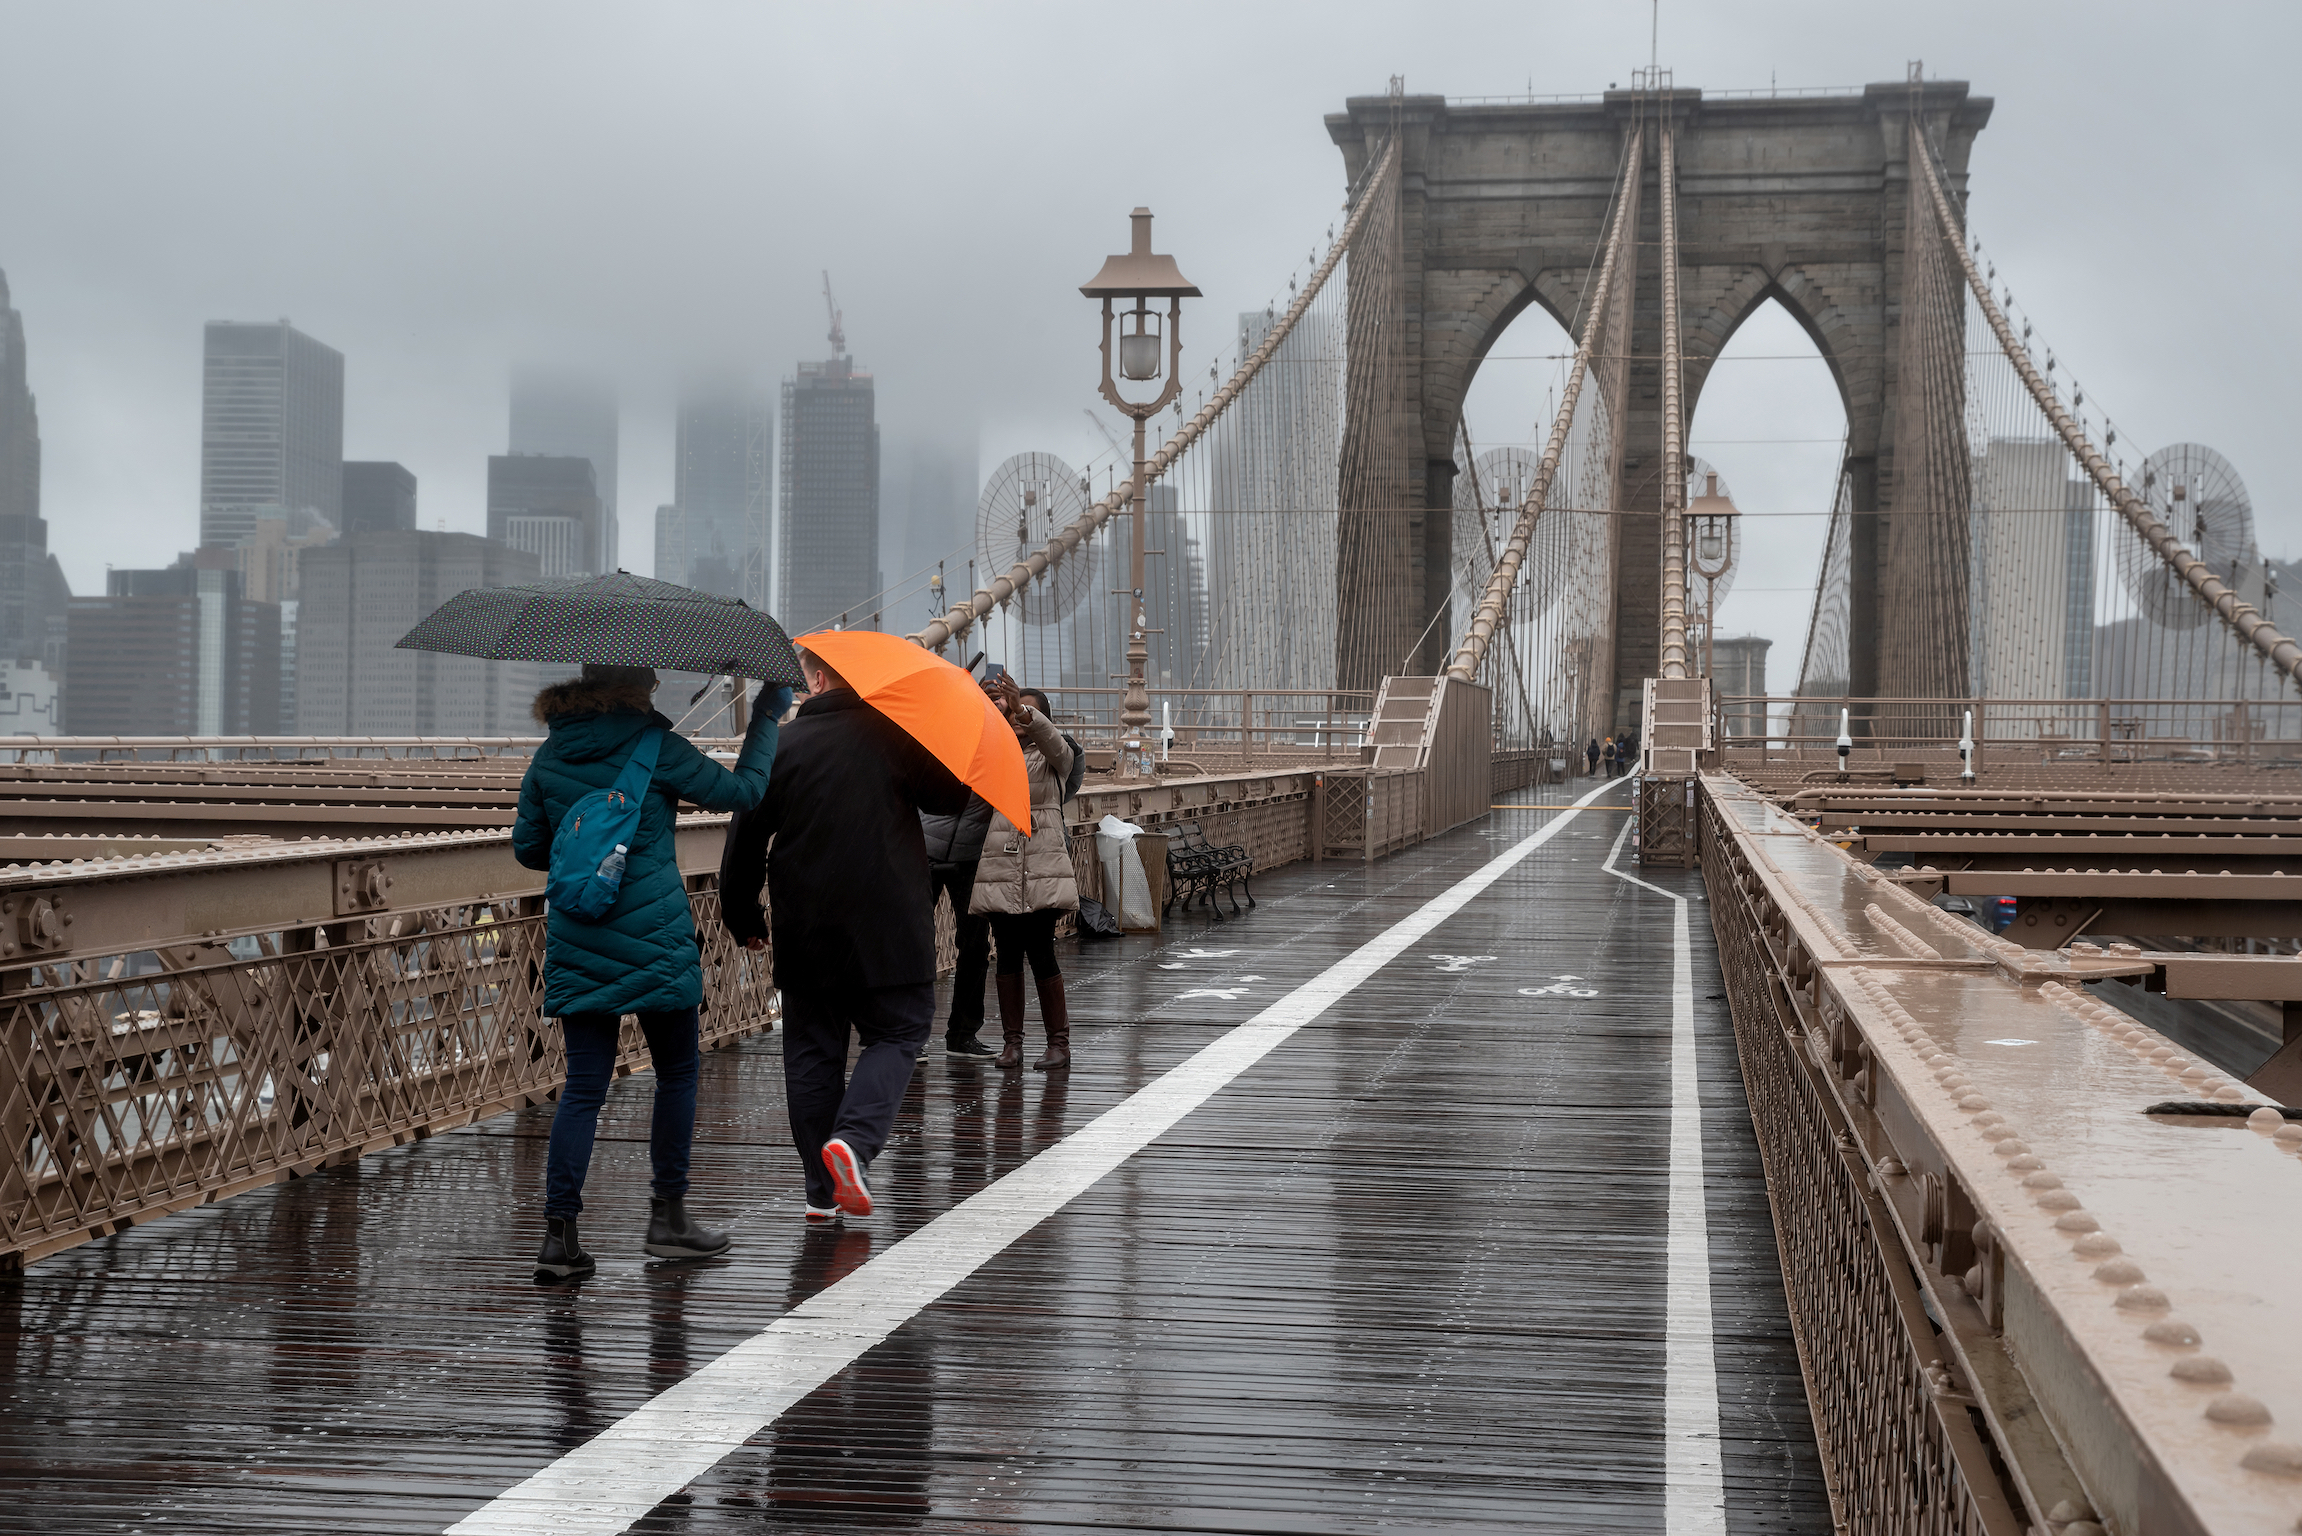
641 957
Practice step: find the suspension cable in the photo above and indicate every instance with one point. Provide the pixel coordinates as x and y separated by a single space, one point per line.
1506 574
963 616
1674 487
2280 650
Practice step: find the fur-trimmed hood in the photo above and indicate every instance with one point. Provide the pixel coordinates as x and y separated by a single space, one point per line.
578 697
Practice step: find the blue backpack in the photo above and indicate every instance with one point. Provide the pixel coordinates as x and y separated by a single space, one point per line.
589 849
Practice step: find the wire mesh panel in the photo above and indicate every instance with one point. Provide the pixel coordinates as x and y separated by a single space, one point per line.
135 1085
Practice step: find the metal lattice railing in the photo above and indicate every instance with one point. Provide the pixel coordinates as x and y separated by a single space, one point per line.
127 1094
1898 1458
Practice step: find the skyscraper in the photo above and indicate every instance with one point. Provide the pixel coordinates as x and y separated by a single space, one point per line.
720 487
549 506
271 429
671 544
364 592
927 503
379 497
1271 547
174 652
24 559
569 416
827 533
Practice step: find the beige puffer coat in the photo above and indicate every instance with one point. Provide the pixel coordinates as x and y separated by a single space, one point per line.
1031 875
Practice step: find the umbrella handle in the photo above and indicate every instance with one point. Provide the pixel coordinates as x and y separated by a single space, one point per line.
727 672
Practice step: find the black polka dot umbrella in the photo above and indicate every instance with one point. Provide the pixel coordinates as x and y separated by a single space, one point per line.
620 620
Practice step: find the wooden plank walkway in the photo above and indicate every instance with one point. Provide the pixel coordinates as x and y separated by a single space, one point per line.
1404 1273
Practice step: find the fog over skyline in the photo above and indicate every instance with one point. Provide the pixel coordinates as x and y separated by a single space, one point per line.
444 193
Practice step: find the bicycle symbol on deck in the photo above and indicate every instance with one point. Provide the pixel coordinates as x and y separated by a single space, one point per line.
1459 962
1561 986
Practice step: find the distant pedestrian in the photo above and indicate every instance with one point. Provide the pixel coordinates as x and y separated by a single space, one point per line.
847 881
1026 883
1592 752
954 846
640 955
1607 753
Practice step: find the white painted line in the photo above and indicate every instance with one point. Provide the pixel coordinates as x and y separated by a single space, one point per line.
1694 1483
615 1478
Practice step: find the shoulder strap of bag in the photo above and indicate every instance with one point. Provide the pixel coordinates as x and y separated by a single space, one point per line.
639 768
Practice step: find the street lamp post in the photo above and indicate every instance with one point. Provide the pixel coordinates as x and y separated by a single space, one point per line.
1713 518
1140 275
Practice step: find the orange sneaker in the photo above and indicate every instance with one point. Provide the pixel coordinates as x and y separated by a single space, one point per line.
851 1192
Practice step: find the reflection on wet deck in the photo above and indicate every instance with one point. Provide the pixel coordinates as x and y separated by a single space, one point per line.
1405 1272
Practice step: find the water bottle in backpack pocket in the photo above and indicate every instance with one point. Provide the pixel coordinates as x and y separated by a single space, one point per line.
595 838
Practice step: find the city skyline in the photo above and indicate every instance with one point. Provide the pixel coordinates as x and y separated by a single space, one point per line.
439 270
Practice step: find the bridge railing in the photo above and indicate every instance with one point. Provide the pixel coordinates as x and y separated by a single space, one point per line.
178 1027
1228 723
182 1019
2019 1300
1804 731
267 749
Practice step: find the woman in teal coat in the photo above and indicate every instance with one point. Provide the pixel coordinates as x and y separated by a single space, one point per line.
641 956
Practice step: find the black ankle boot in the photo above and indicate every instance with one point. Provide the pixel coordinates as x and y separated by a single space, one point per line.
562 1256
673 1234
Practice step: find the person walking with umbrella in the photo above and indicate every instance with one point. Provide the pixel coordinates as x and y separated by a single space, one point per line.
847 882
600 798
639 955
1026 882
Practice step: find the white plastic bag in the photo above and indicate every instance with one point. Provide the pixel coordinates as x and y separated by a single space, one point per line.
1126 893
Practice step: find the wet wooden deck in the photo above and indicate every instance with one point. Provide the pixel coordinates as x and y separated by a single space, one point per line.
1406 1272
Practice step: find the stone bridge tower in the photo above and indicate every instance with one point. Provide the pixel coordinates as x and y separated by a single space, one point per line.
1802 199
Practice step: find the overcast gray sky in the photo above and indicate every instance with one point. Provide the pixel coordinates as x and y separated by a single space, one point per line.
440 190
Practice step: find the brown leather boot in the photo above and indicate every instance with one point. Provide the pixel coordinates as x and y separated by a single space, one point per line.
1055 1013
1010 1021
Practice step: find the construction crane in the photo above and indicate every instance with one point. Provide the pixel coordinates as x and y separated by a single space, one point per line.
1108 435
838 331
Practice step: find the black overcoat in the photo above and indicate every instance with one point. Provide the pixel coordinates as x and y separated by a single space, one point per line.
847 874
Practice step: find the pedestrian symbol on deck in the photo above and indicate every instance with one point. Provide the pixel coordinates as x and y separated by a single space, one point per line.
1561 986
1228 994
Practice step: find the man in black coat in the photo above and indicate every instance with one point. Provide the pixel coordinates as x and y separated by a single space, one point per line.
854 933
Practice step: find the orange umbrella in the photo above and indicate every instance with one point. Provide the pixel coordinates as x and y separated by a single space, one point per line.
941 707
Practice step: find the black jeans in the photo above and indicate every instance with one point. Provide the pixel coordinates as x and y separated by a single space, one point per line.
974 948
1023 934
893 1023
591 1043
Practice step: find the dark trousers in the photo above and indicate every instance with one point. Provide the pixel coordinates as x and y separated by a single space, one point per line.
1027 934
974 948
893 1023
591 1045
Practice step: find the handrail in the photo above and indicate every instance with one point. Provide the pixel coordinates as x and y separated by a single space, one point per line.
962 616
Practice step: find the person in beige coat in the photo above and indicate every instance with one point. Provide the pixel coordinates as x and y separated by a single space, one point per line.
1026 883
